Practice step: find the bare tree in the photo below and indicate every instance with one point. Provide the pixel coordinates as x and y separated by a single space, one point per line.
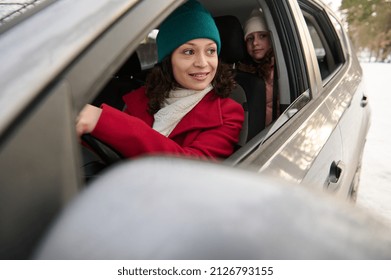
369 25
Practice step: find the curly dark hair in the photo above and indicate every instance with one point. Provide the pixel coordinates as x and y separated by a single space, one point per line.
160 81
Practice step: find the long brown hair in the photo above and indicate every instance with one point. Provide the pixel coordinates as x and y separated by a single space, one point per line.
161 81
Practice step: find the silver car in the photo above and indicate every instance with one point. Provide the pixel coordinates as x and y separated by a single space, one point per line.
58 56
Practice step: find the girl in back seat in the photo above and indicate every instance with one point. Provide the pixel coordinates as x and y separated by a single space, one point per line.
261 60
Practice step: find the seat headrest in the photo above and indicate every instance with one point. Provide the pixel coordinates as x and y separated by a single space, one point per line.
233 48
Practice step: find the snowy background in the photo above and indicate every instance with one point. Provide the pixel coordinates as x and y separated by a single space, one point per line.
375 188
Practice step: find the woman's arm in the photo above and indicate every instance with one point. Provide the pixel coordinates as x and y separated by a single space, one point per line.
131 136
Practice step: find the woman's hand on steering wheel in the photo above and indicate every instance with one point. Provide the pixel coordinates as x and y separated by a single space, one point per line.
87 119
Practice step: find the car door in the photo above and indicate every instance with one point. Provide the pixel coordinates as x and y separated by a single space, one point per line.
332 66
341 76
304 145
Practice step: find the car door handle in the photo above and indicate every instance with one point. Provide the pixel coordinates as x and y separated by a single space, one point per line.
336 172
364 101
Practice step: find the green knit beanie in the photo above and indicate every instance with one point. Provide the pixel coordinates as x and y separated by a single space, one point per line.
189 21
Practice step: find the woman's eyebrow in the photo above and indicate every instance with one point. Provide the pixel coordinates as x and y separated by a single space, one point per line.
193 44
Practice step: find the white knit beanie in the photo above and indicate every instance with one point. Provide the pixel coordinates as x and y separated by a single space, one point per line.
255 23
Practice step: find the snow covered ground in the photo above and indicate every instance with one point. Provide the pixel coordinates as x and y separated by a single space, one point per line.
375 188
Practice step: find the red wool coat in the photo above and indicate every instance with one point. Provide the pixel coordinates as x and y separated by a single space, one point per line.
210 130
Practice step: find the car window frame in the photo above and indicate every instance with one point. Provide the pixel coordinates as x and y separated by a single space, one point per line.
332 42
257 151
291 44
298 37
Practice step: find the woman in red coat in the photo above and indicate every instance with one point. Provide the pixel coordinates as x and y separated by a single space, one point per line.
183 109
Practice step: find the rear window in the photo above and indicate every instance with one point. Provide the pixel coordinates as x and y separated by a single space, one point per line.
325 40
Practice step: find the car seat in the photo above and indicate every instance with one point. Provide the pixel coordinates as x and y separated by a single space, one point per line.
251 90
125 80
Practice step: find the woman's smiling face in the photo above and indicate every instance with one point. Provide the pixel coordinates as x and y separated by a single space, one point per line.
194 63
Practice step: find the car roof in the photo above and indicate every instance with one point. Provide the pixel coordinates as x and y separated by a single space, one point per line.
30 65
13 12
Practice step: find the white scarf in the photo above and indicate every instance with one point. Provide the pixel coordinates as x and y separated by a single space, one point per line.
175 107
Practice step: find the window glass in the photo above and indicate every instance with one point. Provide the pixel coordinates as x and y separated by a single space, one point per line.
325 36
339 29
320 51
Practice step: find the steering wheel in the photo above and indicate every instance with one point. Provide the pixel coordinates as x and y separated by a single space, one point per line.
104 151
97 155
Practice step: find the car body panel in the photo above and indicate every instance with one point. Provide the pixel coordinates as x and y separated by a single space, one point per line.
39 173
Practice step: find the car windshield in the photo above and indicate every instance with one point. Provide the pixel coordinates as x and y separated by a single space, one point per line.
14 11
